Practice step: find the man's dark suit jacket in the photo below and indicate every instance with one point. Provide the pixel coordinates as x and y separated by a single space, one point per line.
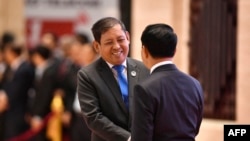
44 89
100 99
168 106
16 85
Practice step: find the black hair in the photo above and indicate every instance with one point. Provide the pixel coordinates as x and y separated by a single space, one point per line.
82 38
17 49
160 40
42 50
7 38
104 24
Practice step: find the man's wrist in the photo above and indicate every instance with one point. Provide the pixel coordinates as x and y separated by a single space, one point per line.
129 139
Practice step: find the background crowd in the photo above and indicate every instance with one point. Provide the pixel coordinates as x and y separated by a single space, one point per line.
32 77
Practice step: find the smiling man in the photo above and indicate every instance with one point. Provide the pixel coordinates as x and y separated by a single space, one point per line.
105 87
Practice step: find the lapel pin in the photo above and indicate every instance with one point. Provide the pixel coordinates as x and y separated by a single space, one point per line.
133 73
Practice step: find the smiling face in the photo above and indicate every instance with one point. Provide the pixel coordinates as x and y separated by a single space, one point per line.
114 45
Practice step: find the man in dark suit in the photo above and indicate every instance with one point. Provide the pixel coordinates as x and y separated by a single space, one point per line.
105 106
16 83
168 106
45 85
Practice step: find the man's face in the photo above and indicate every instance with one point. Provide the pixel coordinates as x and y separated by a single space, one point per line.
114 45
35 59
47 39
8 55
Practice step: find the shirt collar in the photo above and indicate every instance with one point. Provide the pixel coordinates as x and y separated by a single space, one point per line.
111 65
41 68
16 63
43 65
159 64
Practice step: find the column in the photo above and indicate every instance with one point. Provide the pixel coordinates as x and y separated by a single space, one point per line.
12 17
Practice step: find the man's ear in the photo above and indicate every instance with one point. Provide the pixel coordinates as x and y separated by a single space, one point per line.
175 51
145 50
127 36
96 46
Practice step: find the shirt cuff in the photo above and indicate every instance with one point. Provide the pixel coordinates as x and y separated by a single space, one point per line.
129 139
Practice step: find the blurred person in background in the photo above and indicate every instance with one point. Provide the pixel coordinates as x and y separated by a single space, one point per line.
67 80
51 40
86 55
6 38
16 82
45 85
78 53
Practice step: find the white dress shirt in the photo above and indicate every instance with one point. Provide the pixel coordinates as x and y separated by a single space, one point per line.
159 64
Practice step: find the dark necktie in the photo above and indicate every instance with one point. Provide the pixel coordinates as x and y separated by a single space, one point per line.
122 83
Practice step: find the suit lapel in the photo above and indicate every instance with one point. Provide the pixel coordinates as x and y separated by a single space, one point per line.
132 75
108 76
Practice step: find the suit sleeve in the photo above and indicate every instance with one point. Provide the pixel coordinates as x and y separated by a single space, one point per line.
200 105
142 124
96 121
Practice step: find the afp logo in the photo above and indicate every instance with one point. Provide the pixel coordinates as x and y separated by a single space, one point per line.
236 132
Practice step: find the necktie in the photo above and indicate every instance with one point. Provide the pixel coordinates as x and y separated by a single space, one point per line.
122 83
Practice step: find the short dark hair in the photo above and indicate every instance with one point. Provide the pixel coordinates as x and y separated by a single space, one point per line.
102 25
160 40
7 38
82 38
17 49
41 50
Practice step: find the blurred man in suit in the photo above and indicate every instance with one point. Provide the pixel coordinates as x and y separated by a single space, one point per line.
6 38
16 83
50 40
168 106
84 55
78 53
106 106
45 85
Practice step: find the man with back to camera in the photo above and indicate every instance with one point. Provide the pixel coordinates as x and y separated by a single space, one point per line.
105 87
168 106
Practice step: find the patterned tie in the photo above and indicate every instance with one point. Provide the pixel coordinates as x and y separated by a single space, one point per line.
122 83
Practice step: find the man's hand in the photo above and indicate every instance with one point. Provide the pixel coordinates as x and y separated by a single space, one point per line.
129 139
36 123
66 118
3 101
